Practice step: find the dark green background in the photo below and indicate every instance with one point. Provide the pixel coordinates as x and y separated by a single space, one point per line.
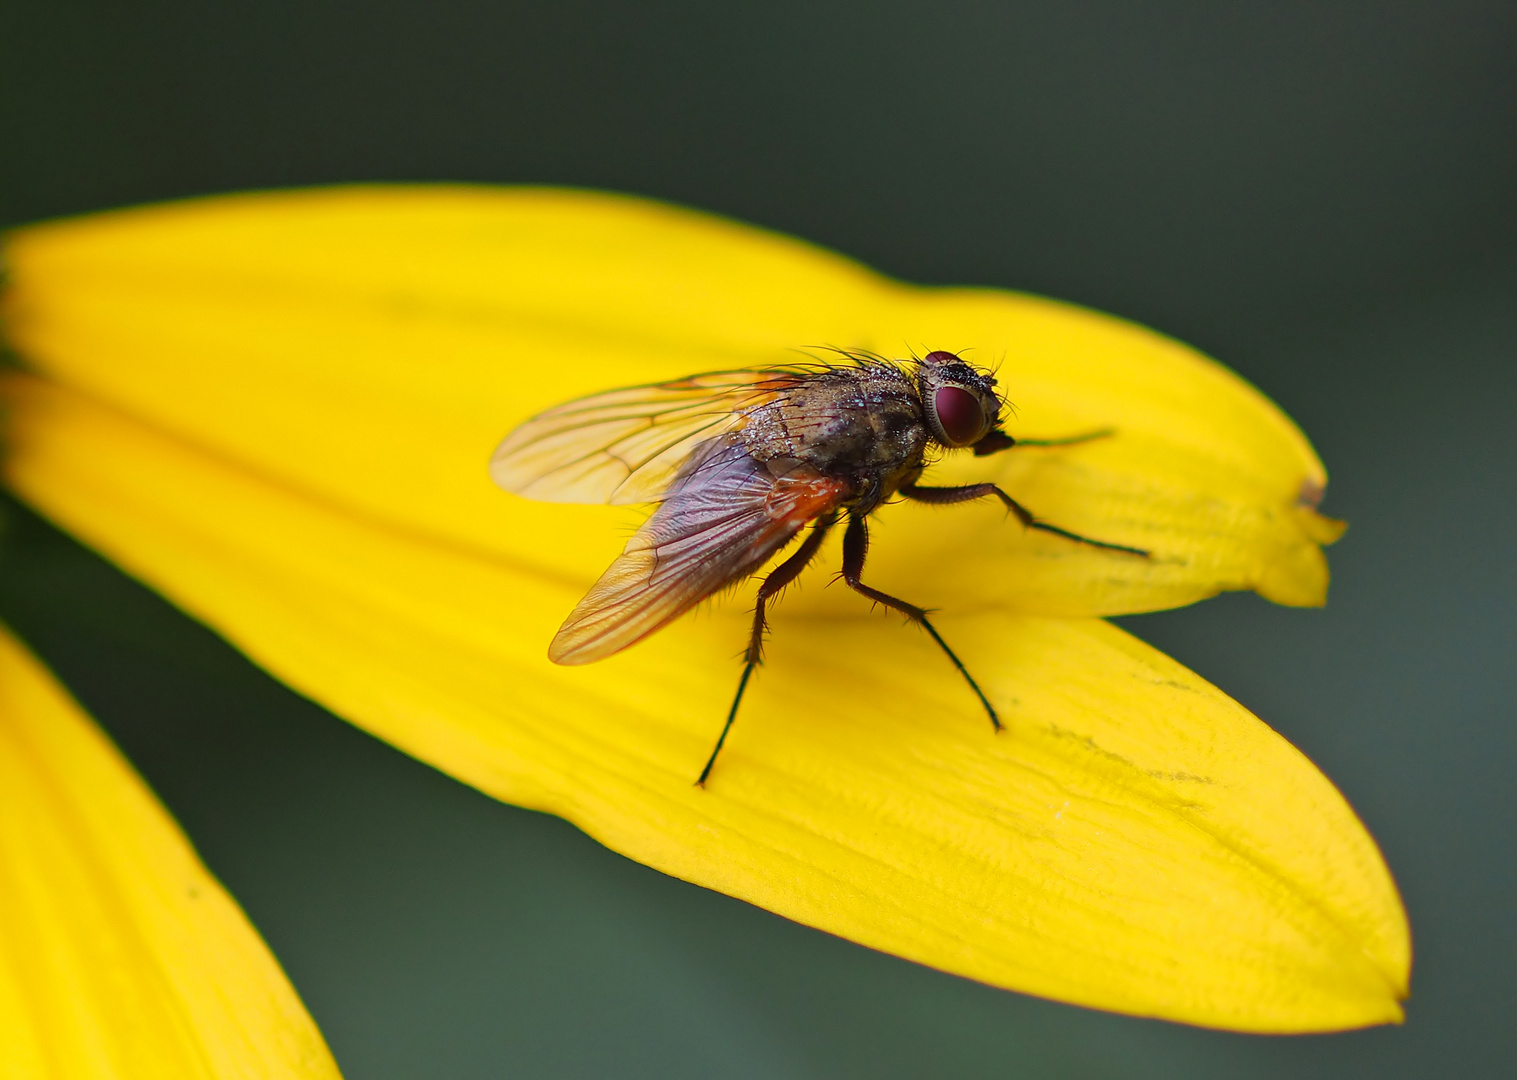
1320 194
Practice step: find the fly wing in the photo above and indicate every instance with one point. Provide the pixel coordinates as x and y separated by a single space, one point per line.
722 519
626 446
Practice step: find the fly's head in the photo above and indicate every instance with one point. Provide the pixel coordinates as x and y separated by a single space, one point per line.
960 403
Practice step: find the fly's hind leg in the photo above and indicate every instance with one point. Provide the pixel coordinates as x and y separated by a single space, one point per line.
855 548
942 496
778 578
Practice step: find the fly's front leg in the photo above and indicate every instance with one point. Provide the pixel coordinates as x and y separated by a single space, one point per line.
855 548
1070 440
997 441
778 578
944 496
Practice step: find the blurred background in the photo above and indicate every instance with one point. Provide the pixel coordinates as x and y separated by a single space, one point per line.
1324 196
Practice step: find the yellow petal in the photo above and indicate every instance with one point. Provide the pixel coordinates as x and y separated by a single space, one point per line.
1133 841
433 320
120 955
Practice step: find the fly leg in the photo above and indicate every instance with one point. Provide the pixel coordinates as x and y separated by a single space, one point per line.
778 578
997 441
1069 440
855 547
942 496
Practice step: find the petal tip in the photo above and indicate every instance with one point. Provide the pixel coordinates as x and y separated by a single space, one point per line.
1299 576
1298 580
1320 528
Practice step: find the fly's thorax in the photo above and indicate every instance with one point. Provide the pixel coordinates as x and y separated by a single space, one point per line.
844 423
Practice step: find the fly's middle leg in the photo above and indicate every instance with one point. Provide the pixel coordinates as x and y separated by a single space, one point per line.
944 496
855 548
774 583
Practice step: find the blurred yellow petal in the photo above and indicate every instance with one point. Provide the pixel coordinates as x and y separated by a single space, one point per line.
1134 840
433 320
120 955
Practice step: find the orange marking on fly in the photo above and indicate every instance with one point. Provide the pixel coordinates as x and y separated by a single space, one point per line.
798 500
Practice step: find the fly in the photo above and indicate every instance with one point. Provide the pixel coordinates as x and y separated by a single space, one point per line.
739 463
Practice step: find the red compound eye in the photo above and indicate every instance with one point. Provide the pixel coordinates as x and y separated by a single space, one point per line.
959 415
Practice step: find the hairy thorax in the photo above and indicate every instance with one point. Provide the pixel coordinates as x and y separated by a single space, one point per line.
863 426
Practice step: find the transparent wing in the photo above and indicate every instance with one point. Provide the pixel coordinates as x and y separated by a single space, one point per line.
625 446
722 519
